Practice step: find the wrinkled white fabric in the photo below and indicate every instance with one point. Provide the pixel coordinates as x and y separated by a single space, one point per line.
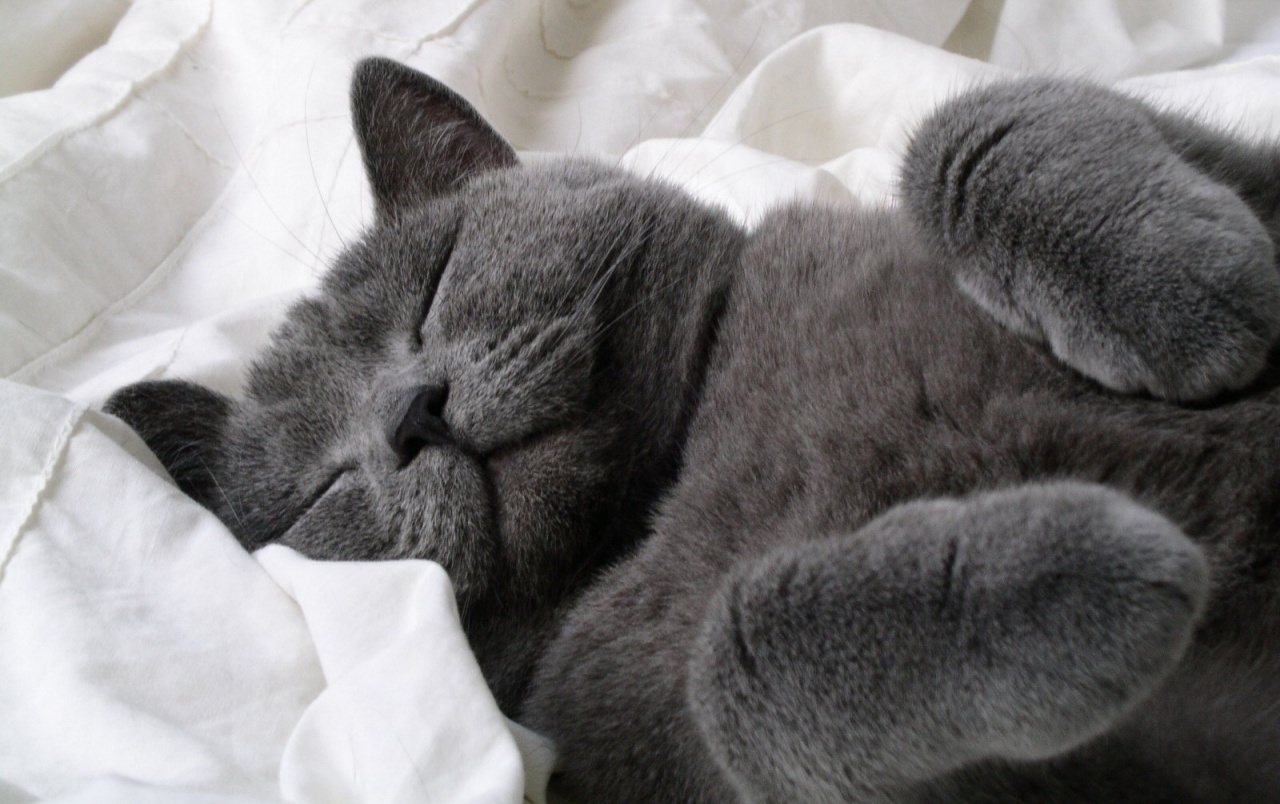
406 716
135 639
165 197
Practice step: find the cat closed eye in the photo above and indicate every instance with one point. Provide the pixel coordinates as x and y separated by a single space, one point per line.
428 297
326 485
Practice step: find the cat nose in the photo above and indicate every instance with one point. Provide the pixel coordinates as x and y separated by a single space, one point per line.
421 424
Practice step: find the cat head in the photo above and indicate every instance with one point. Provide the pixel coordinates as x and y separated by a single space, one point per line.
497 375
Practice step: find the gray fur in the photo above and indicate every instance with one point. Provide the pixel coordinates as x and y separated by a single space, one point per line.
784 515
924 583
1076 222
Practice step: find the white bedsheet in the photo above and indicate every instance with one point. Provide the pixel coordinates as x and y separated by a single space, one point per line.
179 185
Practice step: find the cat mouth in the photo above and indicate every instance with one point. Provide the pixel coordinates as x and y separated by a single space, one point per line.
442 506
434 435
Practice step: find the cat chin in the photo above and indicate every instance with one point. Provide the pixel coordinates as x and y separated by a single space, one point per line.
444 493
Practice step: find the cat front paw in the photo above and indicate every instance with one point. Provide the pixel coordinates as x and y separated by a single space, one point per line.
1064 211
1182 303
1014 624
1071 603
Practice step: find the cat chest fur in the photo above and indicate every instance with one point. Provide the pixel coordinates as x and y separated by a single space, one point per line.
851 375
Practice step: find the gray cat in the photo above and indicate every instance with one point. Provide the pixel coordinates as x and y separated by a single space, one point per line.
976 499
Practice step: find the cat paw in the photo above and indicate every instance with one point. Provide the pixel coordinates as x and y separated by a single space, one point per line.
1068 602
1014 624
1062 209
1183 303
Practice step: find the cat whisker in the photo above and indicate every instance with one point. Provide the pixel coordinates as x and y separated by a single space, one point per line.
306 133
737 68
249 175
746 138
223 493
291 255
581 311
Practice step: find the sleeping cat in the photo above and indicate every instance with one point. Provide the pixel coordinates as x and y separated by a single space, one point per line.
976 499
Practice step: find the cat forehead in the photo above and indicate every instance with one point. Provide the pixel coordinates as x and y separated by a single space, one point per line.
508 246
560 197
520 212
497 226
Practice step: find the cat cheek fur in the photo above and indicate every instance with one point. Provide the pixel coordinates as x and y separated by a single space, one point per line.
537 378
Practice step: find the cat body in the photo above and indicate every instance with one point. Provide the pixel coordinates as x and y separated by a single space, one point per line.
975 499
922 397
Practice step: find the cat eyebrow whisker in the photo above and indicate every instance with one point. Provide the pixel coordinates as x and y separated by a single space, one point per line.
581 311
249 175
780 160
646 235
684 132
306 133
624 257
637 305
284 250
746 138
602 281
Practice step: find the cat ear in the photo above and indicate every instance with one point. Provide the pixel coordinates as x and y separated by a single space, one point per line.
183 424
418 137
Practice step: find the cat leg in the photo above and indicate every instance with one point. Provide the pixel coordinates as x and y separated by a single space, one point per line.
1086 220
1015 624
